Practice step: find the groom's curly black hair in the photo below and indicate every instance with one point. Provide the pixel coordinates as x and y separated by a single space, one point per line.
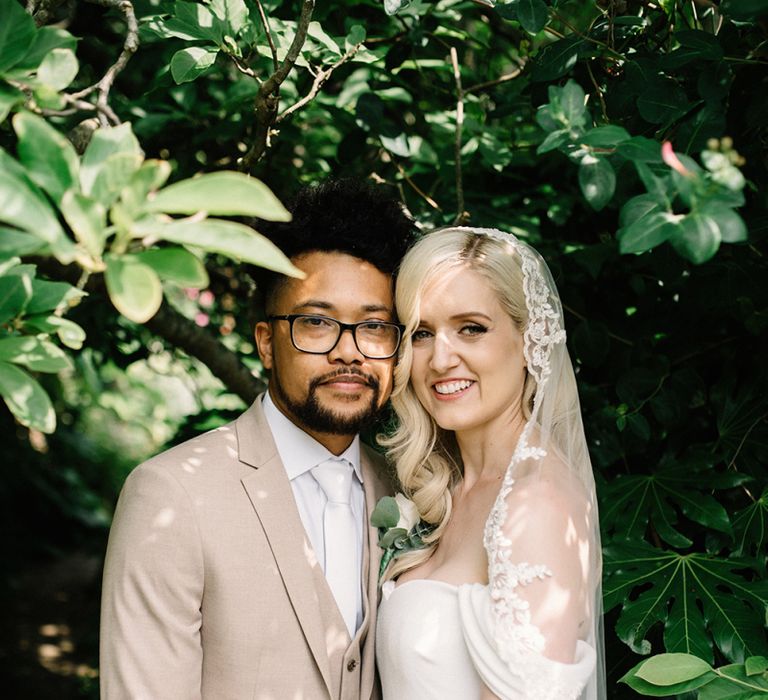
345 216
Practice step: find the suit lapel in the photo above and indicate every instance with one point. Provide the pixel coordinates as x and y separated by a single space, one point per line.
270 493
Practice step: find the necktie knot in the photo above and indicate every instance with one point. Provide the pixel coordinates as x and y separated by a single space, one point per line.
335 479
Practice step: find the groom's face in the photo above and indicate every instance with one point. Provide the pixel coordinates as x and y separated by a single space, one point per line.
331 395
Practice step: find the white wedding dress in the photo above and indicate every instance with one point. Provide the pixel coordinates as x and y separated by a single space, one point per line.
438 641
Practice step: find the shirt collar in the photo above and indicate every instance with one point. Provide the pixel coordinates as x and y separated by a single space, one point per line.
298 450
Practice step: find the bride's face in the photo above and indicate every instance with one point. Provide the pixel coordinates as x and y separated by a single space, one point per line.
468 368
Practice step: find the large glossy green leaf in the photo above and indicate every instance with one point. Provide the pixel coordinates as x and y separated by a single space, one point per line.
47 295
13 242
697 237
23 205
556 59
735 684
220 193
152 175
112 156
27 400
88 220
702 600
17 32
232 13
48 156
671 669
647 232
193 20
176 265
231 239
69 333
532 14
133 287
35 354
643 687
58 69
46 39
192 62
597 180
9 98
15 290
608 136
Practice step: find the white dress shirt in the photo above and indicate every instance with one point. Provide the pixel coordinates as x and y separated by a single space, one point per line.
299 453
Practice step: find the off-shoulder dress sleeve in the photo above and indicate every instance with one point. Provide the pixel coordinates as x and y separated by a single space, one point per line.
529 632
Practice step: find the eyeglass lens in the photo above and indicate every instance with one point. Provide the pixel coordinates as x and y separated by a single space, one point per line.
316 334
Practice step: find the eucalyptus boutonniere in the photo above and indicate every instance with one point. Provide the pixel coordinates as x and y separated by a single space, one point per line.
401 528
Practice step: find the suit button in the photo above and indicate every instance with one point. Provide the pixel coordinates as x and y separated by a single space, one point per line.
352 665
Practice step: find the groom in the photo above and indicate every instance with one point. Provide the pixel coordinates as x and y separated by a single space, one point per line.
240 563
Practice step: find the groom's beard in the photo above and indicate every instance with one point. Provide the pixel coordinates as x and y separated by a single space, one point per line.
311 414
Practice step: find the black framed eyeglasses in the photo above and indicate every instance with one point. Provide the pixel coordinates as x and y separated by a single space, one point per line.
318 335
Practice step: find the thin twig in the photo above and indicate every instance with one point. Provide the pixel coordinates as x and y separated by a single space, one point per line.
603 107
493 83
104 85
268 32
432 203
268 98
321 78
461 215
244 68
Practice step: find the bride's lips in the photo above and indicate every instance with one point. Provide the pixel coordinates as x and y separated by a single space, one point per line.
451 389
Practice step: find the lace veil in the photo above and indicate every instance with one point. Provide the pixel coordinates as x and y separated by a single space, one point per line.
542 536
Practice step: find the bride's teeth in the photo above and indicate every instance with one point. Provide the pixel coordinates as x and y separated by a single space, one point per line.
451 387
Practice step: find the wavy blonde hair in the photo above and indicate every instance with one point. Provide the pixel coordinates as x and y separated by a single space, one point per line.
426 457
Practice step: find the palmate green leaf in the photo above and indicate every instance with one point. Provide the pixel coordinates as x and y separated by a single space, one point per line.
133 287
750 528
35 354
176 265
702 599
27 400
48 156
632 502
227 193
17 32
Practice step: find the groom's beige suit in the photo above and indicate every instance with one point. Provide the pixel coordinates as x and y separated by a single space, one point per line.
212 590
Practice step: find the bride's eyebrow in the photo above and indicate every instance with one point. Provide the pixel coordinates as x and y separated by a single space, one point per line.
470 314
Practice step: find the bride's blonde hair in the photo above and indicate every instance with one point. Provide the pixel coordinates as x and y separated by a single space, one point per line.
426 457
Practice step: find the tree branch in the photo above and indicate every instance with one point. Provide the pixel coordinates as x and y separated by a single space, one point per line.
320 79
461 214
493 83
130 45
174 328
268 97
268 32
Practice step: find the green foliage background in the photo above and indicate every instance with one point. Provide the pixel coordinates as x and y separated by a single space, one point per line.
543 118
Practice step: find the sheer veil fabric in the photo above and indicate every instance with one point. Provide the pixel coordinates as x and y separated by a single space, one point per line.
542 536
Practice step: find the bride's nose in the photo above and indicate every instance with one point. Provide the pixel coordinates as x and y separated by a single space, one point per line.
444 355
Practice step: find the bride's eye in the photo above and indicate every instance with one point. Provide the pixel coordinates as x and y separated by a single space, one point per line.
420 334
472 329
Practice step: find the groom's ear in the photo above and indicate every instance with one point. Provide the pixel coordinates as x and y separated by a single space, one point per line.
263 336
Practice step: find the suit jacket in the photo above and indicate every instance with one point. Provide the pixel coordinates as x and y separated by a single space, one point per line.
211 589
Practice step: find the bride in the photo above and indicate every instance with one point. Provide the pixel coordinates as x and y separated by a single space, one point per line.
504 601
